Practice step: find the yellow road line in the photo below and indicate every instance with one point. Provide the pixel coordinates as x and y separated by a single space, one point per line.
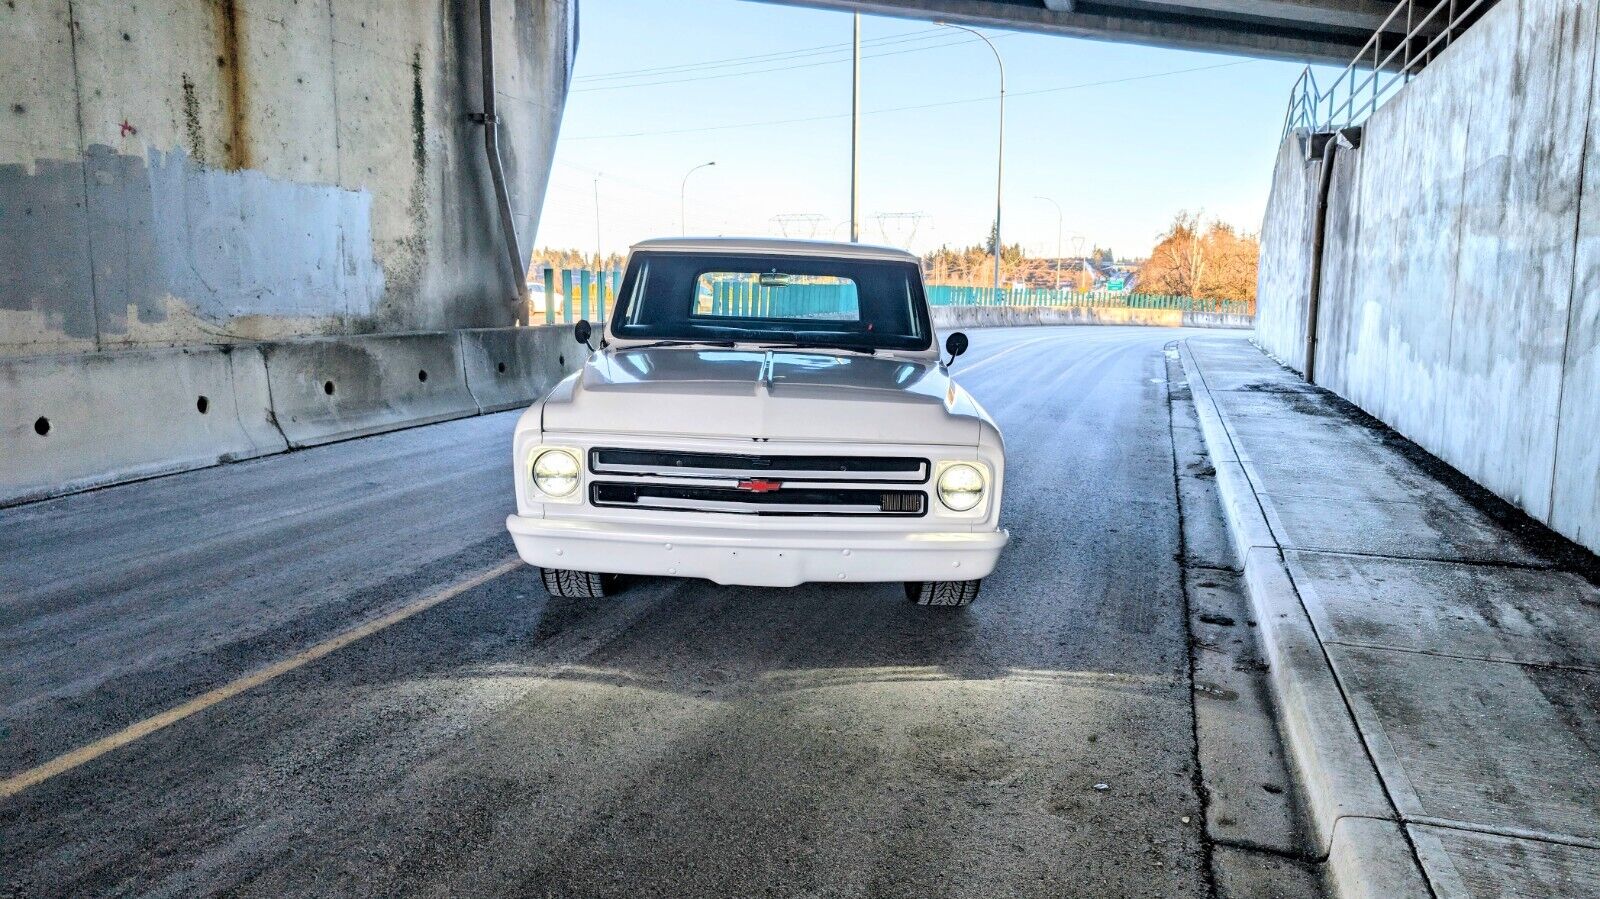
16 783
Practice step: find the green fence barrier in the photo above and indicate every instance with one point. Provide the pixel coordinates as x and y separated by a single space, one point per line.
957 295
589 294
745 297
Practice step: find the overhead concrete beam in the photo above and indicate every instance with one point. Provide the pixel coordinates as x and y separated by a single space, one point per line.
1361 15
1311 31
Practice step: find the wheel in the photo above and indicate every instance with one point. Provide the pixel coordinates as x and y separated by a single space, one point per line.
942 593
579 584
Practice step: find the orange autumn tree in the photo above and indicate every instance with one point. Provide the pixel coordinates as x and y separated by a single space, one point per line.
1211 261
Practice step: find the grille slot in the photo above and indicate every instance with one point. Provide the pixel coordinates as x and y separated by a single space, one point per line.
902 502
643 463
786 500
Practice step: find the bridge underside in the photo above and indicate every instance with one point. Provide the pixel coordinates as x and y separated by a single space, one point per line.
1326 31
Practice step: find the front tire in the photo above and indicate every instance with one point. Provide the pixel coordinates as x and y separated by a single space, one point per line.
567 584
946 594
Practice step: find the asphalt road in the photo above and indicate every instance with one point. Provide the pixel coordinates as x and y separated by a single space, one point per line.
682 739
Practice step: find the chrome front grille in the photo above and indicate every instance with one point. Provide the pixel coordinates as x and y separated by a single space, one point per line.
816 468
765 484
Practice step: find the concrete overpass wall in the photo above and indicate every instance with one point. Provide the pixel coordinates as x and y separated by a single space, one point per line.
1461 284
234 227
1285 273
176 172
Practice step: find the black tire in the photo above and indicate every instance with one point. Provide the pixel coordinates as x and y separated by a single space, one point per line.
946 594
580 584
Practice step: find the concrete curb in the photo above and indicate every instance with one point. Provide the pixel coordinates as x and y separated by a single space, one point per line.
1353 821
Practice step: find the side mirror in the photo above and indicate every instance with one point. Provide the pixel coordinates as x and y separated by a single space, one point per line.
955 345
582 331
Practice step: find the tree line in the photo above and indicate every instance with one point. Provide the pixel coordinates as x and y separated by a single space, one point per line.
1194 257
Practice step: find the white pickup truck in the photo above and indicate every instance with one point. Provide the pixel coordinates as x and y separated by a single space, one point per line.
762 412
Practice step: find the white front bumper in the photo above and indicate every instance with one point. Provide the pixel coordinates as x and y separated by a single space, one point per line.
754 556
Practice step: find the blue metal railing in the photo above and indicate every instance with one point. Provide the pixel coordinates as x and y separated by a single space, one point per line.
591 295
565 295
949 295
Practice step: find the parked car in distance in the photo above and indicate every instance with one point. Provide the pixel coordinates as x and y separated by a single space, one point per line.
762 412
536 303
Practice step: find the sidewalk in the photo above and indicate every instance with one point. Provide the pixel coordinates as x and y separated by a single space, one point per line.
1435 655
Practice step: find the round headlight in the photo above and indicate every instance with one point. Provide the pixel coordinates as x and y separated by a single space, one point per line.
555 472
960 487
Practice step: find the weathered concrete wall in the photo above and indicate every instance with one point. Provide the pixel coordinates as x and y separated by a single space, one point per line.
176 172
1575 491
1460 280
1285 272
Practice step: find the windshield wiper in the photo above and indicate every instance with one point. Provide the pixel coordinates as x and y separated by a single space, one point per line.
849 348
710 343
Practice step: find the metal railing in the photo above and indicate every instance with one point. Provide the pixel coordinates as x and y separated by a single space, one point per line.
940 295
1385 64
564 296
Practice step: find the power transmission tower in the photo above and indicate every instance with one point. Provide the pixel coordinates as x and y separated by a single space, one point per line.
908 221
807 222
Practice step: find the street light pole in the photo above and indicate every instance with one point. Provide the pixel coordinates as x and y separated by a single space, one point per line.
683 194
1058 237
1000 152
599 260
855 137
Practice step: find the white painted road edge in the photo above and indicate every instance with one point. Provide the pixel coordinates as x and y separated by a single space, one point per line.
1354 823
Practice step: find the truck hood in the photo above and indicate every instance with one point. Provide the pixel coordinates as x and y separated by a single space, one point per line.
778 395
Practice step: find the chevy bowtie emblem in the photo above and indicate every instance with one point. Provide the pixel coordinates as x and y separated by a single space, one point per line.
759 485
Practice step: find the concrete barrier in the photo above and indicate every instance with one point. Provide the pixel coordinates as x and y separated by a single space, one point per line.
69 423
1225 320
946 317
511 367
335 388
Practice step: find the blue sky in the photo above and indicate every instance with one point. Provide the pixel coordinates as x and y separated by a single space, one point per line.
1086 124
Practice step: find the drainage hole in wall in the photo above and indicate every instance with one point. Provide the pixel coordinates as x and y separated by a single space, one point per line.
202 405
327 387
561 360
501 368
422 375
42 426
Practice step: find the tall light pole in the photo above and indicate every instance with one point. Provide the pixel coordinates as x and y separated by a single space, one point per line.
855 136
683 194
599 260
1058 237
1000 150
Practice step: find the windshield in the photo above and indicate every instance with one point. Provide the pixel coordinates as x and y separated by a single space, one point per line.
773 299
